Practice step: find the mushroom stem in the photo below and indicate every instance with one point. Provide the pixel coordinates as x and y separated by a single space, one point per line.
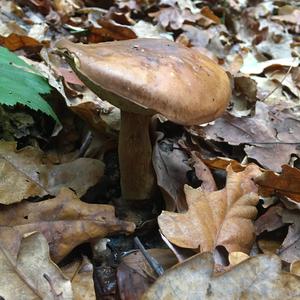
135 157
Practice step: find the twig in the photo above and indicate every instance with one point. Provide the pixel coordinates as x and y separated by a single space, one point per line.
158 269
280 83
86 143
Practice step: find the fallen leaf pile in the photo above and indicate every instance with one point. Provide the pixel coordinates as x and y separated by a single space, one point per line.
224 219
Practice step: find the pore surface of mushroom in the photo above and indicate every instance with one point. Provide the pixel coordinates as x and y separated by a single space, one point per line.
144 77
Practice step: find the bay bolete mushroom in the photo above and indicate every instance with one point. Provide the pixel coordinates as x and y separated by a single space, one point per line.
144 77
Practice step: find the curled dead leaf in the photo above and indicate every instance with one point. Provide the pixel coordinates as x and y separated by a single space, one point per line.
217 218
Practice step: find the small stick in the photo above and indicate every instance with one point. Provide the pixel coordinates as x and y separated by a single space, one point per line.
280 83
158 269
86 143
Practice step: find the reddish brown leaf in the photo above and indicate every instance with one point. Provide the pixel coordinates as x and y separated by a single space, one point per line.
15 42
286 184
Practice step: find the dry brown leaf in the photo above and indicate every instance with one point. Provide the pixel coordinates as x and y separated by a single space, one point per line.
218 218
223 162
29 170
174 17
251 66
286 184
270 220
15 42
271 132
80 273
289 250
258 277
65 221
26 271
203 173
208 13
110 31
170 163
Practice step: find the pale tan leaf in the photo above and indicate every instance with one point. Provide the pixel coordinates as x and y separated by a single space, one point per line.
26 271
29 170
237 257
295 267
216 218
80 273
256 278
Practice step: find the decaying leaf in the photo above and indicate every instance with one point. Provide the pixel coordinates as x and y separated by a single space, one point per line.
270 220
270 133
252 66
29 170
287 183
171 166
80 273
218 218
258 277
289 250
65 221
203 173
26 271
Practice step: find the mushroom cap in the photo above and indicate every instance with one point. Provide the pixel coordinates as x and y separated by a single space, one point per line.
152 76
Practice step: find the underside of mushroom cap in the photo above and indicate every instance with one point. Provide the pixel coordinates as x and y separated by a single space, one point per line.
154 75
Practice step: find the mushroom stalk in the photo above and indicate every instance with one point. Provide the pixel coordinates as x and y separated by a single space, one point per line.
135 157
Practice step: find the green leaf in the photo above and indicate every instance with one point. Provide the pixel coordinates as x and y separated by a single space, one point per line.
19 83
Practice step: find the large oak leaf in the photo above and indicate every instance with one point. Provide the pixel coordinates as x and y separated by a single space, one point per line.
216 218
65 221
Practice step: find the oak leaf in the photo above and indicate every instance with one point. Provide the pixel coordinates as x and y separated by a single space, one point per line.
258 277
216 218
26 271
65 221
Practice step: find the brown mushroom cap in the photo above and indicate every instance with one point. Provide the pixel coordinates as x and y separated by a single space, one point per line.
157 75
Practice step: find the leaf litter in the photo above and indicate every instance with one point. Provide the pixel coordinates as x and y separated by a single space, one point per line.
232 183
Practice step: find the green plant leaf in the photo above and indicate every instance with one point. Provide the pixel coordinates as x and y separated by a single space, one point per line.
19 83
